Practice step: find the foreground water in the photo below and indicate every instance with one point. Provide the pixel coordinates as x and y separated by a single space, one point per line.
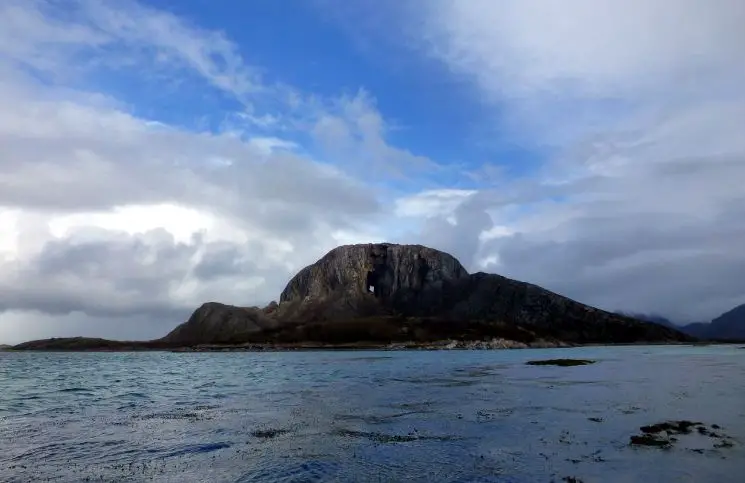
367 416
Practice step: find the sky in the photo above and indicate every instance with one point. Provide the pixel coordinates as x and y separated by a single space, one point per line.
155 155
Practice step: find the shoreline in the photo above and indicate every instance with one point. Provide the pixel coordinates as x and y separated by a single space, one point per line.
444 345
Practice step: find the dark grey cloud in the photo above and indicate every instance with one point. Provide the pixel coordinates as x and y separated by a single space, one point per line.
224 258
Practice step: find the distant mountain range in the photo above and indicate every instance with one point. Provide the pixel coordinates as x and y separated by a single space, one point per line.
728 326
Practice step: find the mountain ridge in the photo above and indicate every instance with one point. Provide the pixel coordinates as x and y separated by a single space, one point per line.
390 293
728 326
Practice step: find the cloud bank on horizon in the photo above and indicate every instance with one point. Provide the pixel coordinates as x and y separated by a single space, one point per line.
157 155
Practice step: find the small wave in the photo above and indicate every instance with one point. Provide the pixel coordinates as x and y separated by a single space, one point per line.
364 359
205 407
437 381
68 450
391 438
198 449
276 471
191 416
378 419
75 389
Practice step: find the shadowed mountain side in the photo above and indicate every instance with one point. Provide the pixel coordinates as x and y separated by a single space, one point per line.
390 293
728 326
653 318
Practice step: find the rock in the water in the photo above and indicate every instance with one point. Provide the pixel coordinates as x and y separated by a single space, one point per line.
663 435
650 440
561 362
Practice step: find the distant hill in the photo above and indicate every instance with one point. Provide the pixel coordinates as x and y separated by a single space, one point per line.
728 326
387 293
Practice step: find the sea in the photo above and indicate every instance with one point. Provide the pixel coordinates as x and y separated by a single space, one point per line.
379 416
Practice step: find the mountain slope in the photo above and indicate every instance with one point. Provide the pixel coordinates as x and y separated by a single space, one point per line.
728 326
412 281
653 318
216 323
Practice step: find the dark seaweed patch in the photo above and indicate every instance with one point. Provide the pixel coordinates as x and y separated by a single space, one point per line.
561 362
391 438
268 433
663 434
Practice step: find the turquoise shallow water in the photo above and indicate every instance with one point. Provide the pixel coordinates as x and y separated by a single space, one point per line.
367 416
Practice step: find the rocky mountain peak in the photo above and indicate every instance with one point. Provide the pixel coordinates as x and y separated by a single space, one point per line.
382 270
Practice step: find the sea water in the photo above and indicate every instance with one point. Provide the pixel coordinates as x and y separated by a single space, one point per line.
369 416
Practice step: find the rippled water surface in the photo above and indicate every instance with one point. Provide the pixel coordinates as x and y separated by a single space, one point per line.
368 416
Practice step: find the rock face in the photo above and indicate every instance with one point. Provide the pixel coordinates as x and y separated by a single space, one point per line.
215 323
416 281
368 280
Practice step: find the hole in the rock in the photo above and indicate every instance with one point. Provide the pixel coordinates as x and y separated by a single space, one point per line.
371 281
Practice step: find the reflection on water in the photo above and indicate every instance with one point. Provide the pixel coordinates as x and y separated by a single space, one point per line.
369 416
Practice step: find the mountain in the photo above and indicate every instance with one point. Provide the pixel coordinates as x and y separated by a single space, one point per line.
387 291
656 319
384 293
728 326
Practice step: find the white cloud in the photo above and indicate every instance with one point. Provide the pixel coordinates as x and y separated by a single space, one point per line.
118 225
590 47
642 101
62 38
431 203
352 129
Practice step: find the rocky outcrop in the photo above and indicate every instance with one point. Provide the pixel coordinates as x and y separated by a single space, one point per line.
215 323
367 280
416 281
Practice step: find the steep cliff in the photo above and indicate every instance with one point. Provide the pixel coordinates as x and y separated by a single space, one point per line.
367 280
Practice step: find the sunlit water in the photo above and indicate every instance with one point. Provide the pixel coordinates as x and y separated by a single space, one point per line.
367 416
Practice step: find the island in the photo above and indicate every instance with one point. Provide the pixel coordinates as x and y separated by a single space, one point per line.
391 296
